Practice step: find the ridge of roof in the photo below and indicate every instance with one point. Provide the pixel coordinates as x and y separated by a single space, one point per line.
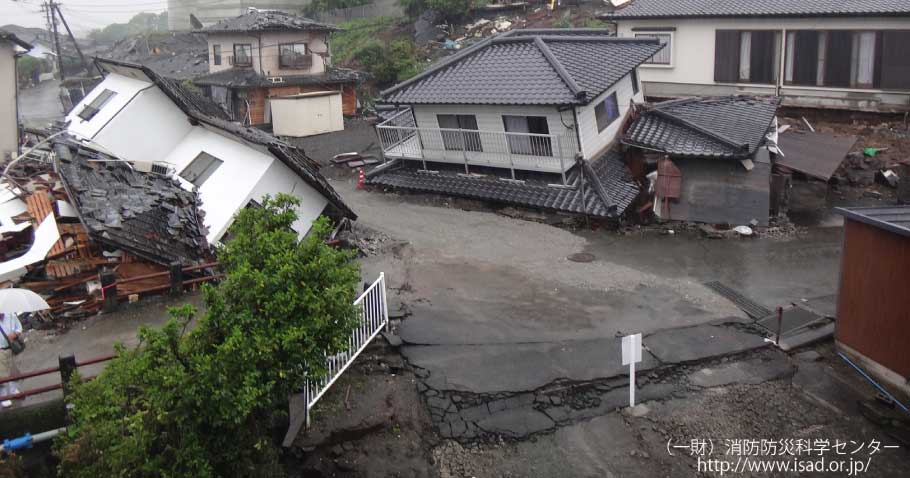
713 134
266 20
537 37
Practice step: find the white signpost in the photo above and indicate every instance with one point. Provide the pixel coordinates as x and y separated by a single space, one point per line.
631 355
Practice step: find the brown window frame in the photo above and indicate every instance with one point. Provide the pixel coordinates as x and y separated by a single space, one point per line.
305 65
250 56
763 62
216 55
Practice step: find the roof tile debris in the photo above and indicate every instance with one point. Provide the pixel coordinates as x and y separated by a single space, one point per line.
528 67
256 20
719 127
602 188
895 219
760 8
248 78
149 215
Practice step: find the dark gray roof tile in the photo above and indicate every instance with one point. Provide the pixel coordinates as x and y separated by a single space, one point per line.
267 20
248 78
760 8
723 127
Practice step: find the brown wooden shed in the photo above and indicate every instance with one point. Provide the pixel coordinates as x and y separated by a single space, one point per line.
873 306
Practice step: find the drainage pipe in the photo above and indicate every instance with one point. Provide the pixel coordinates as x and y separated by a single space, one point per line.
27 440
873 382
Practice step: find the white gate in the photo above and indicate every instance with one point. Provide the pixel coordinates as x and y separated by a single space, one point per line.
374 316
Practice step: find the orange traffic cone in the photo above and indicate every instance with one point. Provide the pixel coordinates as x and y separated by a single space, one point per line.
360 180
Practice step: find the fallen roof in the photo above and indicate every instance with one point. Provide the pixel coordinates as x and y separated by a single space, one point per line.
720 127
602 188
149 215
267 20
196 108
528 67
894 219
762 8
248 78
10 37
814 154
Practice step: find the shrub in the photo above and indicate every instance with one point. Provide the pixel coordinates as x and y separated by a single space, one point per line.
201 403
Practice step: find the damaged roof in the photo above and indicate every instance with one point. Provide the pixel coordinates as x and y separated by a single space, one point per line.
148 215
601 188
718 127
760 8
528 67
894 219
248 78
10 37
268 21
200 110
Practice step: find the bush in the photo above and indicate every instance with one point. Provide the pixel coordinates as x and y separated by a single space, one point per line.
388 64
201 403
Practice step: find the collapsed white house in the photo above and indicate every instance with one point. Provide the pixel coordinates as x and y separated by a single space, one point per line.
160 126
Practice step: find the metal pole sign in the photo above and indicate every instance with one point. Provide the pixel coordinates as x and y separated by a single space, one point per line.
631 355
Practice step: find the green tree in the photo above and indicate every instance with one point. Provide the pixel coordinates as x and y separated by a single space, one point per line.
202 403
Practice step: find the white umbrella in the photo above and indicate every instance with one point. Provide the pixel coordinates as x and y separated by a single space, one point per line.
21 300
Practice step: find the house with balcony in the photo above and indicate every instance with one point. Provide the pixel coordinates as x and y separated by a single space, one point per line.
528 117
274 68
847 54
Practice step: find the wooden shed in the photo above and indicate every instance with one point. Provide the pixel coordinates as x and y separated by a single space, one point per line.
873 306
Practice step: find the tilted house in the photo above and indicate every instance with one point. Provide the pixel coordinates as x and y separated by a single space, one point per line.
272 67
845 54
715 166
159 126
528 117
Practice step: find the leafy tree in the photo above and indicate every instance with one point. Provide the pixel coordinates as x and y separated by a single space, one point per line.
28 68
140 23
451 10
202 403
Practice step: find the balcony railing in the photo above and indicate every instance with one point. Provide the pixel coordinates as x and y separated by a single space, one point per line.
401 138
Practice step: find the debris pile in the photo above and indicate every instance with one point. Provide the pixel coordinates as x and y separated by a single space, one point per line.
86 230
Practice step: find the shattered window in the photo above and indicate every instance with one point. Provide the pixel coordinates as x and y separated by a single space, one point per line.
90 110
294 55
243 54
201 168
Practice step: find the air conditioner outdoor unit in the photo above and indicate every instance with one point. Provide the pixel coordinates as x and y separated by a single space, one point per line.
153 167
276 79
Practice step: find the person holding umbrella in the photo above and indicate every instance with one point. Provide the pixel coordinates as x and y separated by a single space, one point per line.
11 327
12 303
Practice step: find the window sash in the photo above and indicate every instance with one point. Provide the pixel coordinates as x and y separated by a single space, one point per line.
606 112
216 54
293 55
664 56
459 140
243 54
201 168
90 110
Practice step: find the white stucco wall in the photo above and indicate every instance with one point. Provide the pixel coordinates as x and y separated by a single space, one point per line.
279 178
164 125
269 65
692 70
9 121
594 143
126 89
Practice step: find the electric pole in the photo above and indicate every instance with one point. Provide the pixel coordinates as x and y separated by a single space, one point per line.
51 6
88 68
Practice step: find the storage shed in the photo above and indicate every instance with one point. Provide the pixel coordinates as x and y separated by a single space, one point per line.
873 307
306 114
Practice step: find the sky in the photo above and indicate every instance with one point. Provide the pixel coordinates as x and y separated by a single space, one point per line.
82 15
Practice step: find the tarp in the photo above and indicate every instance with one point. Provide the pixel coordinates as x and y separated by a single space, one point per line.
814 154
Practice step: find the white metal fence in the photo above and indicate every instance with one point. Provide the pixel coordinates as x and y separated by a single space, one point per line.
374 316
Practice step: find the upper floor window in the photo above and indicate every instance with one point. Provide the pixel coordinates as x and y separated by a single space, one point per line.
201 168
606 112
664 56
746 56
294 55
848 58
90 110
216 54
635 85
243 54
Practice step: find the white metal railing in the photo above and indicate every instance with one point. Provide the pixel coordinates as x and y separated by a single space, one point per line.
528 151
374 316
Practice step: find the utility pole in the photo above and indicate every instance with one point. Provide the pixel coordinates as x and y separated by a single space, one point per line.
88 68
52 6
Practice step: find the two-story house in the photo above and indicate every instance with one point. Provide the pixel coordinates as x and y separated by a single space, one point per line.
272 67
527 117
845 54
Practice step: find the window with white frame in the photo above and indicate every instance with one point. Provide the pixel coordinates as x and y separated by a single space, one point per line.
201 168
664 56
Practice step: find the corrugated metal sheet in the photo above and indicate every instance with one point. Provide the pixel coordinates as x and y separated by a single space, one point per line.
814 154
